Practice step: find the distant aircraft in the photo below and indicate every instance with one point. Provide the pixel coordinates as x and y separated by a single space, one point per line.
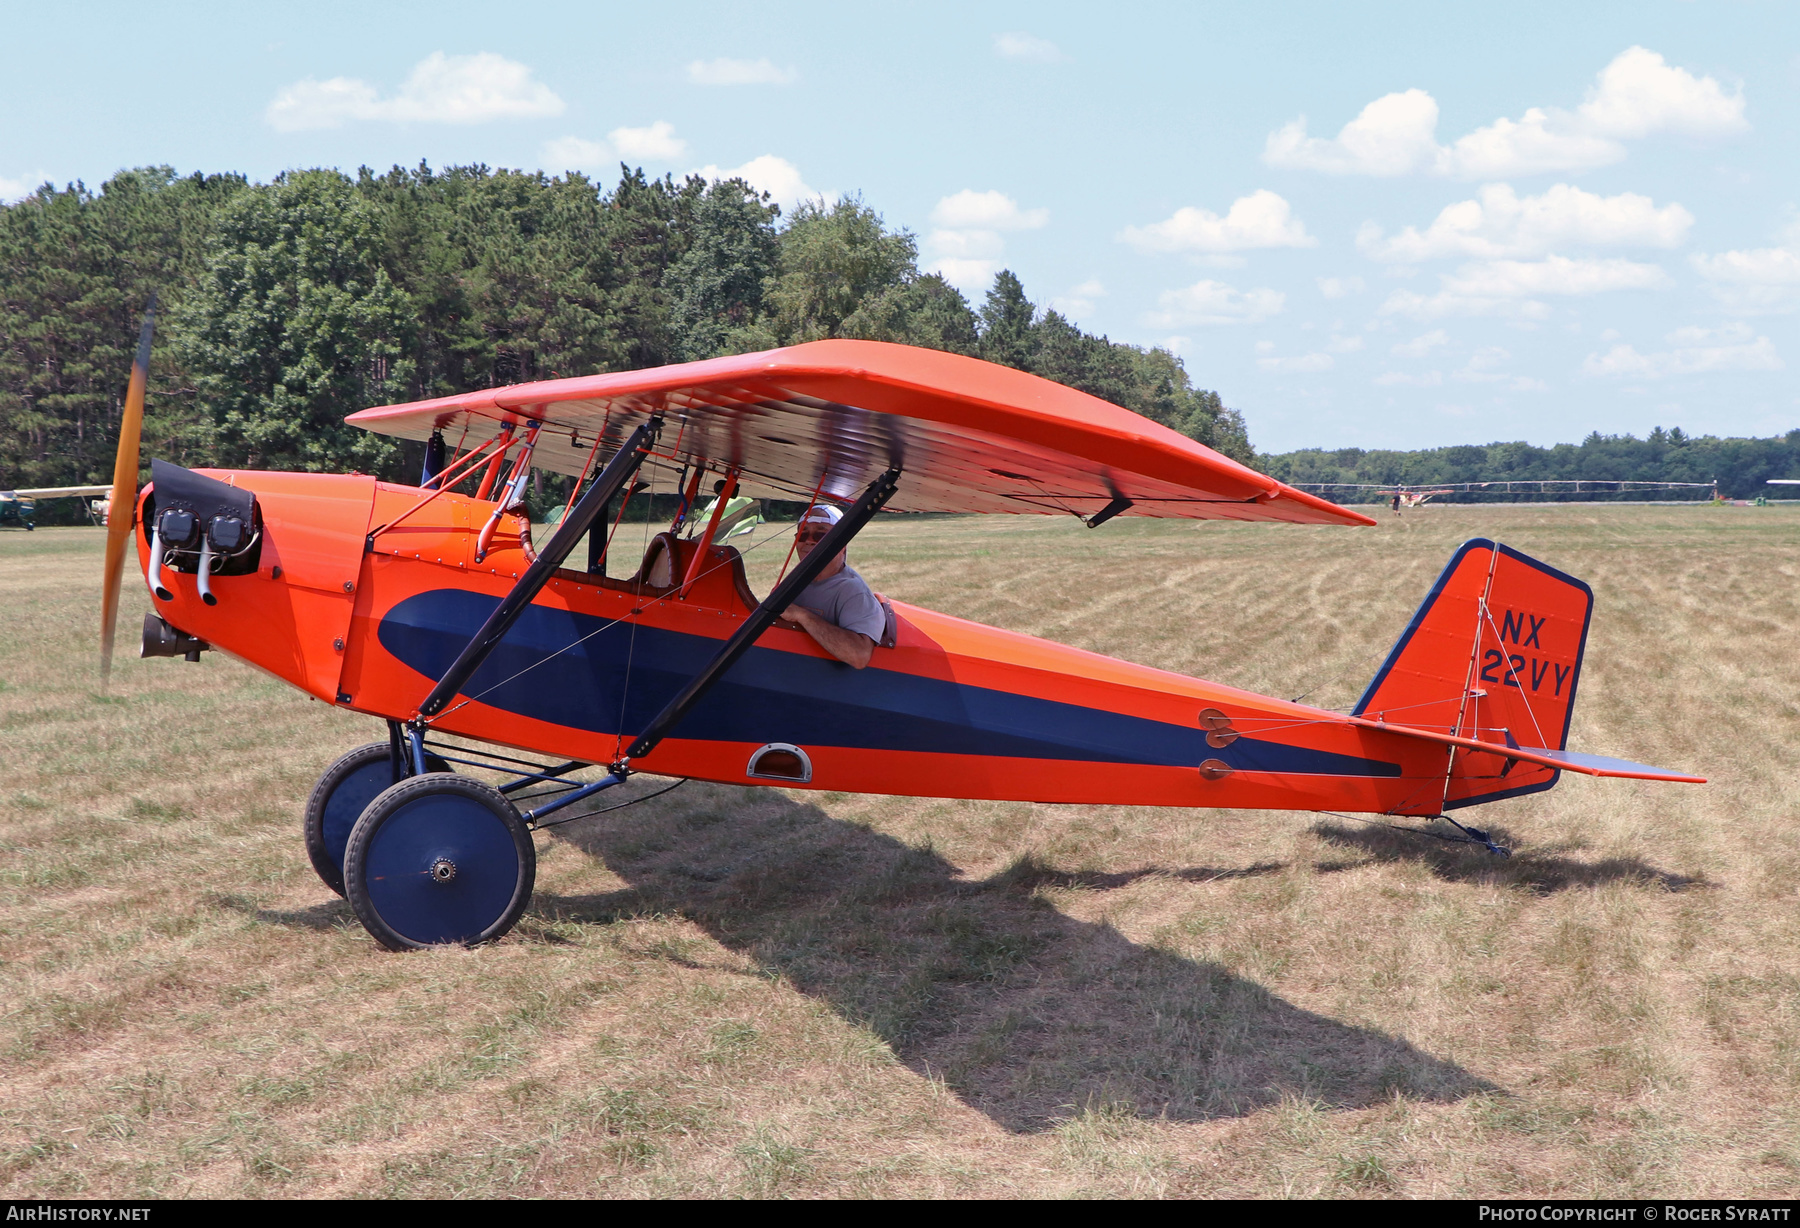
1411 496
435 612
20 506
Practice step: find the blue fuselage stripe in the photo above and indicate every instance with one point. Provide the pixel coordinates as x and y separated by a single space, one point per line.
618 677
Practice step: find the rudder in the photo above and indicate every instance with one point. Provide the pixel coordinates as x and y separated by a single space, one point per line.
1494 653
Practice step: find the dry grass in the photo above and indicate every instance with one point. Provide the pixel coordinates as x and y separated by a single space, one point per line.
737 992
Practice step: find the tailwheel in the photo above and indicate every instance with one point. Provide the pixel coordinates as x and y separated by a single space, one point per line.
344 791
439 859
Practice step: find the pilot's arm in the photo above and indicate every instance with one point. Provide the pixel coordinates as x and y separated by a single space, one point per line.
853 648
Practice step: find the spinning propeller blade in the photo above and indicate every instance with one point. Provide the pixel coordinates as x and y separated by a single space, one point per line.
124 492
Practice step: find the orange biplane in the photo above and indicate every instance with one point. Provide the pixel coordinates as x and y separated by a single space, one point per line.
436 611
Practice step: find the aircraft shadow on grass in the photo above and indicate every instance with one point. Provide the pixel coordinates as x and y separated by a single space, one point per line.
330 915
1028 1015
1541 872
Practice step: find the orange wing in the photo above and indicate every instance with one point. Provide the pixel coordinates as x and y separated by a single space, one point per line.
829 416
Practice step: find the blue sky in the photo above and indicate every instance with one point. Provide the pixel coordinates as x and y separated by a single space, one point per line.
1394 225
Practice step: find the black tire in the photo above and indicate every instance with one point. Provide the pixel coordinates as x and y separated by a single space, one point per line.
342 793
439 860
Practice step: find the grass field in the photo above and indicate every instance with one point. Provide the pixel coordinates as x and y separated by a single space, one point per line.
744 992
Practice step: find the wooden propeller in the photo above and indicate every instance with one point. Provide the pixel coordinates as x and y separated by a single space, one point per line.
123 509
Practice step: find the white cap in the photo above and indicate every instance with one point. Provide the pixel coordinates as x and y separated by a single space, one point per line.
822 513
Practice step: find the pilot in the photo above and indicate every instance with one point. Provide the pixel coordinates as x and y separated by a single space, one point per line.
837 609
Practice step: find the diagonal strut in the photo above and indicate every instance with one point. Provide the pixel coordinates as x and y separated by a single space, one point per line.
618 472
878 493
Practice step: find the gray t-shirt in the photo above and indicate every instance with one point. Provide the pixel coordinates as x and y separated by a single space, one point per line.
845 599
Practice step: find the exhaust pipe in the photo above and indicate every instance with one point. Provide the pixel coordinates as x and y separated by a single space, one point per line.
203 581
156 557
162 640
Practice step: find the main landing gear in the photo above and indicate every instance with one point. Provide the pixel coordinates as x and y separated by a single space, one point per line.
339 799
439 859
433 858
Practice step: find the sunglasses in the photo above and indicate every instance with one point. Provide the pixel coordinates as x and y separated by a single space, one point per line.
811 533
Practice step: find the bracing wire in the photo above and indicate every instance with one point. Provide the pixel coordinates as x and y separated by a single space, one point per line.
1488 614
588 814
606 626
1336 677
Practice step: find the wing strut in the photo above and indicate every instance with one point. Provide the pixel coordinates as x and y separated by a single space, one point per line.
878 493
618 472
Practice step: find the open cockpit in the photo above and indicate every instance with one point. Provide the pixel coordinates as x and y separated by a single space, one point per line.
668 563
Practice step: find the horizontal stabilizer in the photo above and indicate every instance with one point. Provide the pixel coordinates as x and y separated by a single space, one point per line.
1601 765
1574 761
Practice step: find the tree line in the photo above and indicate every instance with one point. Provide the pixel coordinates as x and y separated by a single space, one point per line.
286 305
1742 467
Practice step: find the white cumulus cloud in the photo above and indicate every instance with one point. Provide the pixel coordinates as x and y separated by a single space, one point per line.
1774 266
966 247
1019 46
726 71
1512 288
1484 367
1394 135
656 143
1559 275
1429 379
441 89
1214 302
1421 345
576 153
972 210
1500 223
1416 306
1078 302
17 188
1340 287
1638 95
776 176
969 243
1538 142
971 275
1298 364
1756 280
1261 219
1693 351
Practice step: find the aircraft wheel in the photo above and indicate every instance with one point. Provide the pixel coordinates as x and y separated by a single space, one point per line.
439 859
344 791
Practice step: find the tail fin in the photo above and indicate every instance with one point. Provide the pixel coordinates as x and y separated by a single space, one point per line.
1494 655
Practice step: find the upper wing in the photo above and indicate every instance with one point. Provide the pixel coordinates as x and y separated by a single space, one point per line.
830 416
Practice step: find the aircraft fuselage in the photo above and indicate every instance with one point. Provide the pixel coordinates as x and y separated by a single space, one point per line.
953 709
